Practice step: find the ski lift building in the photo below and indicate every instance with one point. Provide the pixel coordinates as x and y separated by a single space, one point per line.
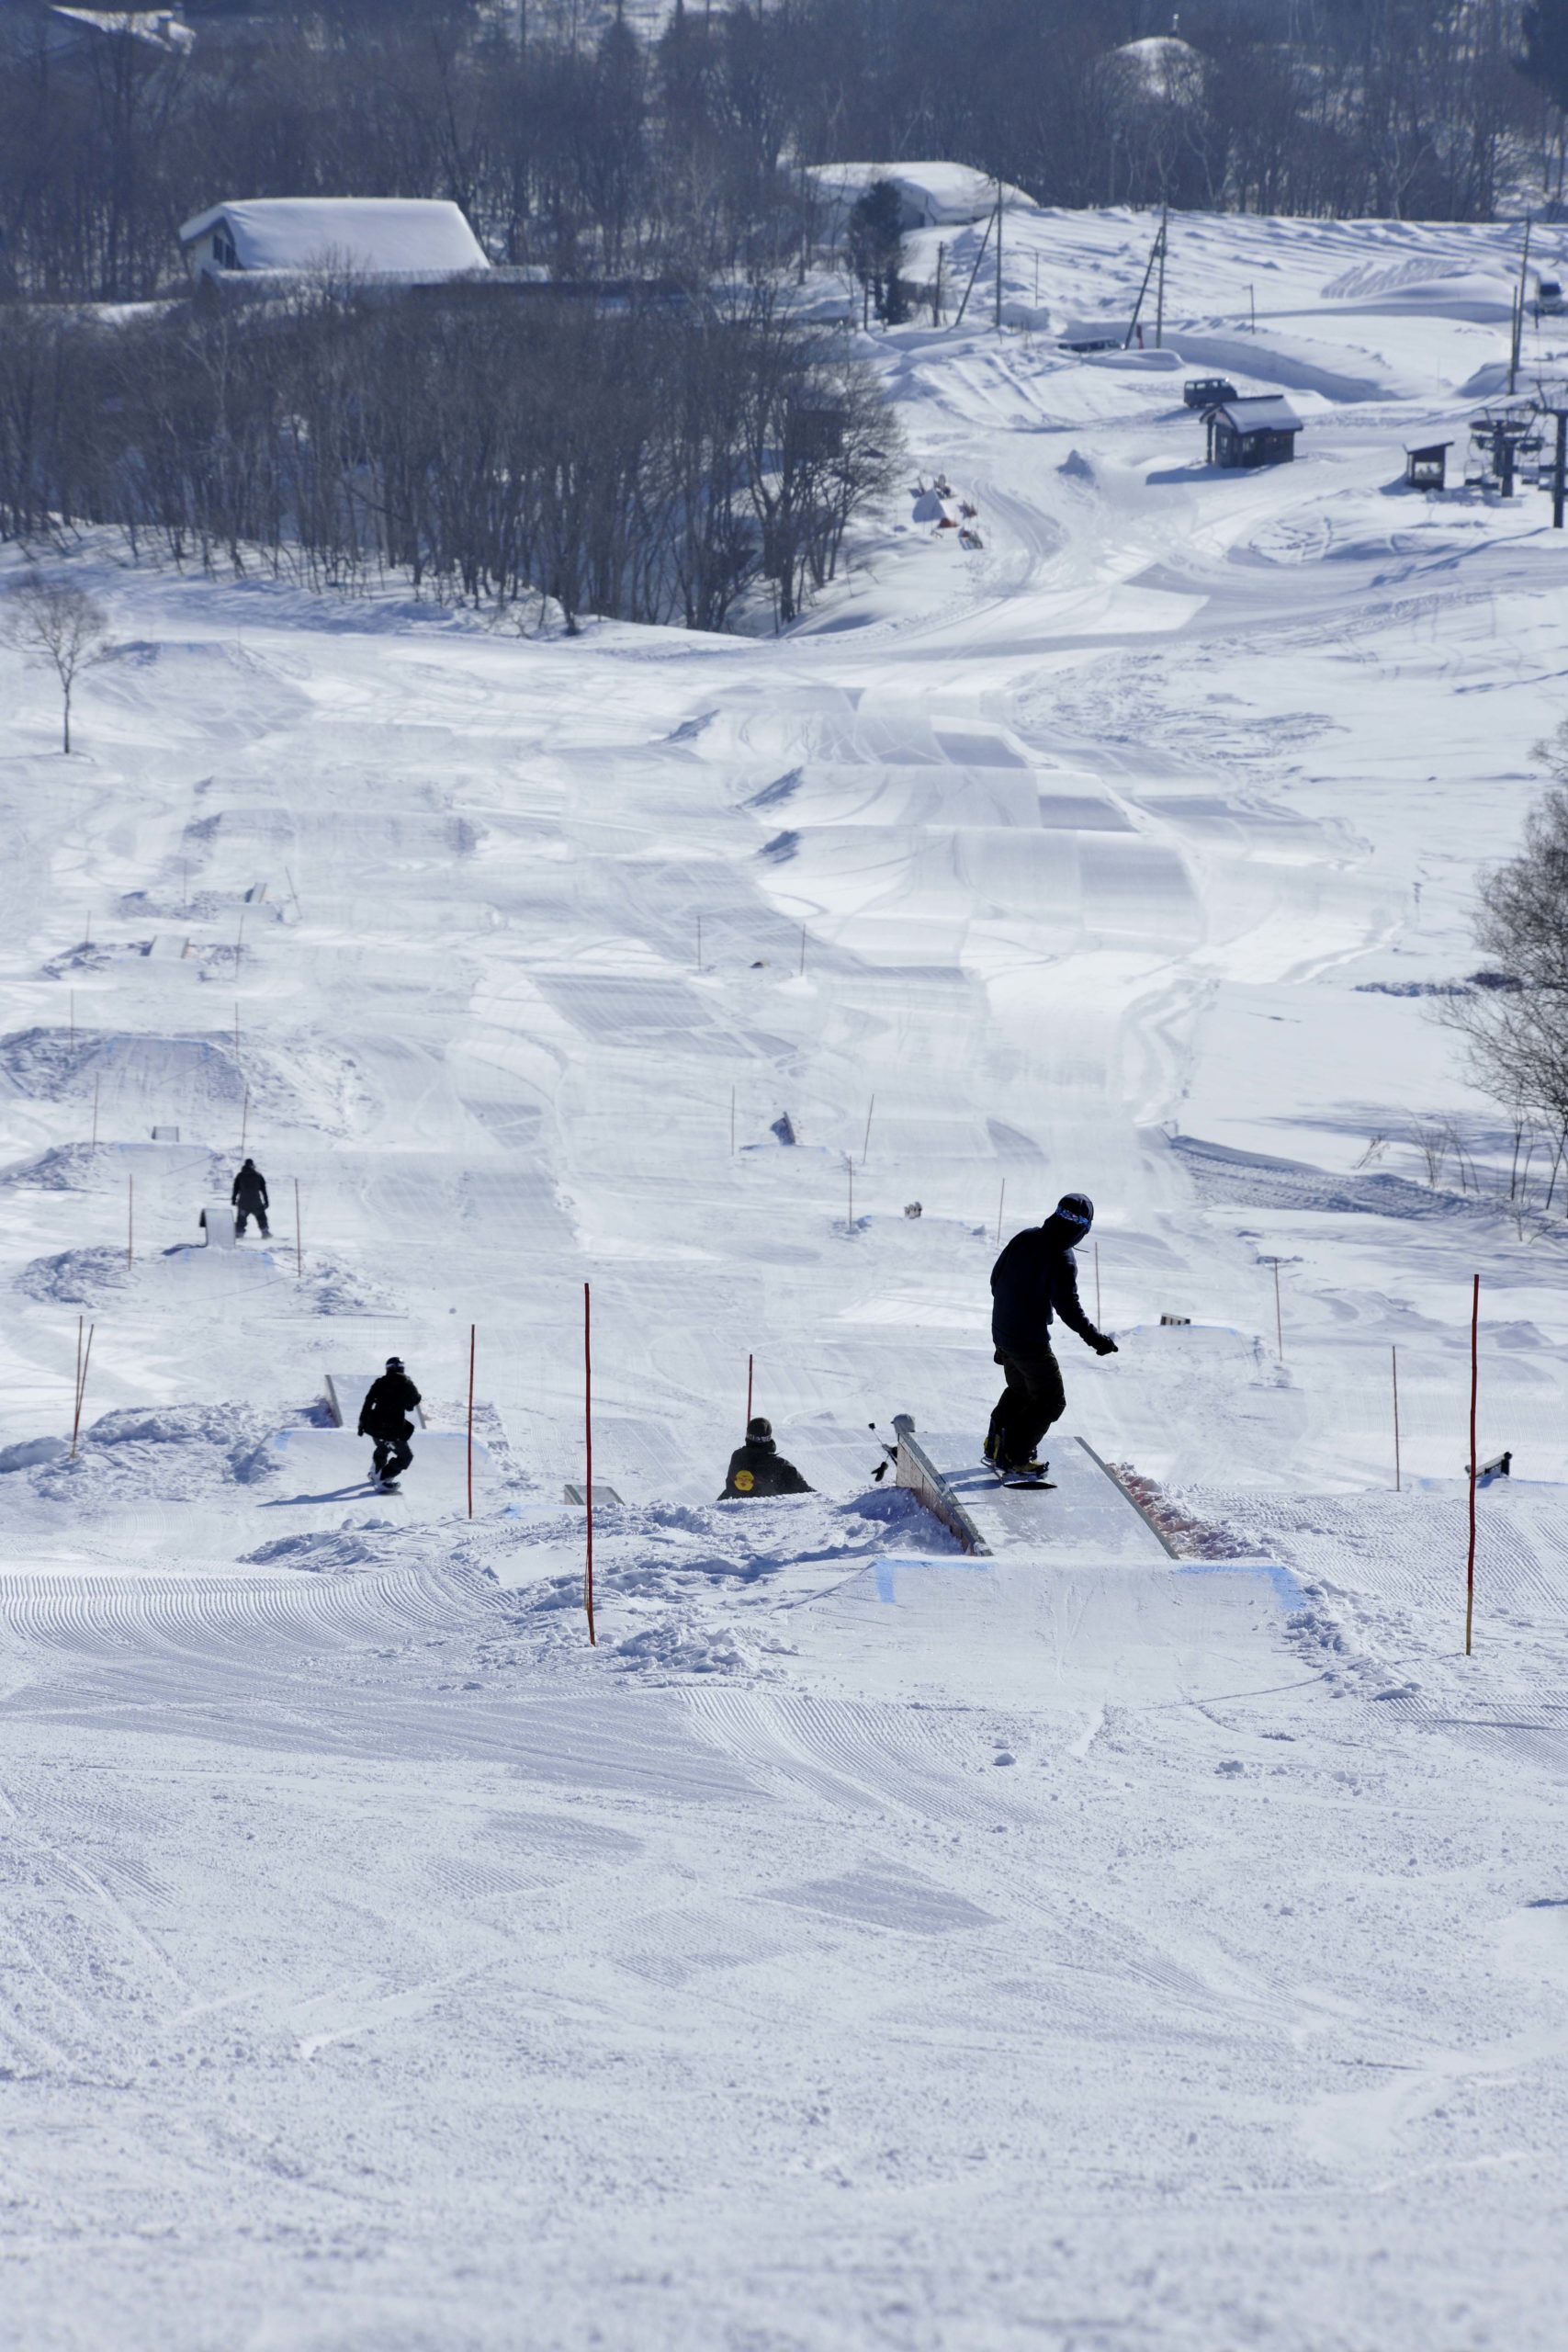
1427 468
1257 431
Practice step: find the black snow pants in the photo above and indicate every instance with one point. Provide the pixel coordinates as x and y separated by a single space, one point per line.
249 1206
392 1456
1032 1399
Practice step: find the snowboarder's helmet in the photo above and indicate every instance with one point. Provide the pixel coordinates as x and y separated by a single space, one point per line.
394 1364
759 1428
1076 1208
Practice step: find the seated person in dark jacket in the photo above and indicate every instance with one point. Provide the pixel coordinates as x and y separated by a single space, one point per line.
384 1418
1035 1278
759 1468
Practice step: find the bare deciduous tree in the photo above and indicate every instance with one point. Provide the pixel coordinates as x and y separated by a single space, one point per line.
1514 1019
57 624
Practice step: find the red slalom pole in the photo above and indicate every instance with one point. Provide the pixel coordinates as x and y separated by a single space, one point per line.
470 1420
588 1435
1474 1381
750 1361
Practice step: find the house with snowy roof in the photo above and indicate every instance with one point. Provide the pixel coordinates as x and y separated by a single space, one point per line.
409 240
1259 430
930 196
33 29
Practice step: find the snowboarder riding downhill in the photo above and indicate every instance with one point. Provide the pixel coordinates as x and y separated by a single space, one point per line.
384 1417
1037 1277
249 1197
759 1468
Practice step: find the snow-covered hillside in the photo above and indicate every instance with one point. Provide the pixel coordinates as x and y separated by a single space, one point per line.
863 1945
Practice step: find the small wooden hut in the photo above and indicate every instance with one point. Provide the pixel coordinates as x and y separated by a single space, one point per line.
1257 431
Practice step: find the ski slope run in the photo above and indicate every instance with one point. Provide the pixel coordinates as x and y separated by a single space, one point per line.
867 1942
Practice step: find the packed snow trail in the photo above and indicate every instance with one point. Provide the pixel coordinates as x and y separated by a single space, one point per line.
865 1944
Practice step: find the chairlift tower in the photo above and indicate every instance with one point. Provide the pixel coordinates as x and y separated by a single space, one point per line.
1502 443
1551 401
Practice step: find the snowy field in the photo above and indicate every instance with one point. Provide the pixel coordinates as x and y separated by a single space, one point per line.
867 1945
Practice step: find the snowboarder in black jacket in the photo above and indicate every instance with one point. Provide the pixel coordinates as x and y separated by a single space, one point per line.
759 1468
1035 1278
384 1417
248 1194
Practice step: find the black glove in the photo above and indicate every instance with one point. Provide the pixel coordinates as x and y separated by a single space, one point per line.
1105 1345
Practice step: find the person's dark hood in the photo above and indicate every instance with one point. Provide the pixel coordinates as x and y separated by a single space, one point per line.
1069 1221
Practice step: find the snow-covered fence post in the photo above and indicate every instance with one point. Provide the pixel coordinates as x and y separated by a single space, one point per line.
1393 1353
866 1145
244 1122
588 1436
472 1344
1474 1382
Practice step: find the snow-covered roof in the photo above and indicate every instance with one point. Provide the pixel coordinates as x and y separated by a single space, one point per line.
932 507
412 234
933 196
160 26
1260 413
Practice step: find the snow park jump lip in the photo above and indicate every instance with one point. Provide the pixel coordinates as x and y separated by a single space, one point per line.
985 1923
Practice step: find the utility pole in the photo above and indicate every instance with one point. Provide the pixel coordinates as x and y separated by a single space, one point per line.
1519 311
1159 297
998 252
1155 254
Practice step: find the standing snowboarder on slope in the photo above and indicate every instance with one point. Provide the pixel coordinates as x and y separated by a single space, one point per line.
759 1468
384 1417
1037 1277
249 1197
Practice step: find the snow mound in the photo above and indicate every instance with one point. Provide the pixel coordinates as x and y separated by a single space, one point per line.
75 1277
64 1168
31 1451
671 1652
167 1451
324 1552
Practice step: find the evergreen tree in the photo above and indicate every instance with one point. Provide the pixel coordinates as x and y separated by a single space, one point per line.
875 245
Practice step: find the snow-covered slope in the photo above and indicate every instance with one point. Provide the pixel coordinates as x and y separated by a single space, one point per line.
862 1944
